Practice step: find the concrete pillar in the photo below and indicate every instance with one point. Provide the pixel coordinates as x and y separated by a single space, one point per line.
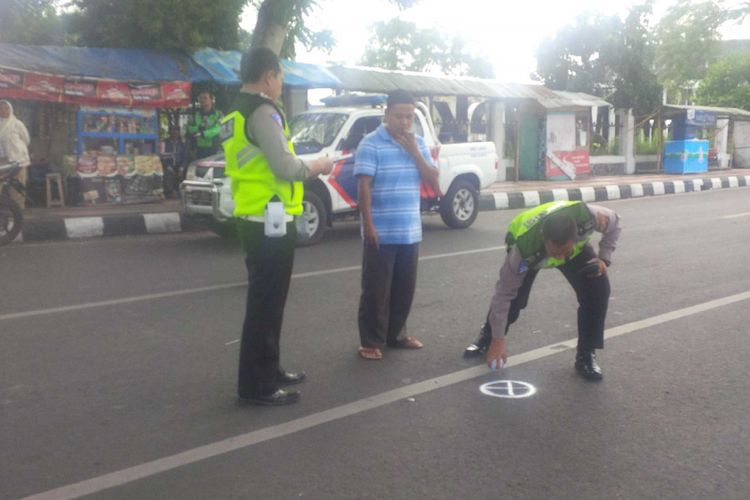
496 133
741 141
295 101
627 139
721 142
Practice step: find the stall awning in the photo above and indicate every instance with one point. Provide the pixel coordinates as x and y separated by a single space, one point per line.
111 64
98 76
224 68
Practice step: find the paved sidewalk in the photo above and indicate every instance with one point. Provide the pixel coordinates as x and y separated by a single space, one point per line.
42 224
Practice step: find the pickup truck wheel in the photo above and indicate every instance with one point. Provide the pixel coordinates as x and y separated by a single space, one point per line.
312 222
460 206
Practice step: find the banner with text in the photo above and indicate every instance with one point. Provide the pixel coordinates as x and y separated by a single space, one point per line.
16 84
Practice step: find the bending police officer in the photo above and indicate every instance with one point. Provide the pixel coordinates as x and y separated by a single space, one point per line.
557 235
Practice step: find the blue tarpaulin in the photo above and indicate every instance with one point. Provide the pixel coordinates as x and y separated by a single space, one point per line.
224 67
115 64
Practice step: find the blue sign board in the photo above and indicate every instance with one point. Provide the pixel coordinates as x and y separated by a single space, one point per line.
700 118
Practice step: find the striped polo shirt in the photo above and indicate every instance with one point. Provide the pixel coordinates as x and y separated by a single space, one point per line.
395 186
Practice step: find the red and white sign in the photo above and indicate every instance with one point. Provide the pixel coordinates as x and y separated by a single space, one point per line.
563 163
91 92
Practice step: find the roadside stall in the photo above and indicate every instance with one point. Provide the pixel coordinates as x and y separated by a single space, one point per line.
702 138
94 115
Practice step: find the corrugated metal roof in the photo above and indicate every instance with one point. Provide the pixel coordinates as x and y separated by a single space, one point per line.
713 109
560 99
382 80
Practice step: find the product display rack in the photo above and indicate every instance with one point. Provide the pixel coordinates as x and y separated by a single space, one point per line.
115 131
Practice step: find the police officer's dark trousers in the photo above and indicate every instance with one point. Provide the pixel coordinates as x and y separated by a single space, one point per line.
592 294
269 264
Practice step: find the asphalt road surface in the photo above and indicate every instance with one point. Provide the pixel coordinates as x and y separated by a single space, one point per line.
118 371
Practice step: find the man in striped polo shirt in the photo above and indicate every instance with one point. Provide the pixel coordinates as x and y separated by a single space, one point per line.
389 165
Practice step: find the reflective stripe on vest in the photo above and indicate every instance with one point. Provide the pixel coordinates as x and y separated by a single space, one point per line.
252 180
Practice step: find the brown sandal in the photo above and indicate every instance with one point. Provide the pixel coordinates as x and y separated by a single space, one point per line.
406 343
370 353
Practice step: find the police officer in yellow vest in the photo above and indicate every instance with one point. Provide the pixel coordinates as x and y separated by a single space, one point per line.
266 179
557 235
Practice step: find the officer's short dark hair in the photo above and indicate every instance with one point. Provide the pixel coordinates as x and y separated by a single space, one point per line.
559 229
400 97
257 61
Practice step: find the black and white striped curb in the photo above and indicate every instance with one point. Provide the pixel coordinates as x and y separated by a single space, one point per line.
44 229
523 199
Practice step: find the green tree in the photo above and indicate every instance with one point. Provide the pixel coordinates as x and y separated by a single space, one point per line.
281 23
578 57
157 24
604 56
398 44
30 22
727 83
688 42
635 84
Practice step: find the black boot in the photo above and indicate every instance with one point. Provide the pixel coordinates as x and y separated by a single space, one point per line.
481 344
586 365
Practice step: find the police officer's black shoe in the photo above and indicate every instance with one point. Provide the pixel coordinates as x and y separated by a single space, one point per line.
278 398
480 345
586 365
289 378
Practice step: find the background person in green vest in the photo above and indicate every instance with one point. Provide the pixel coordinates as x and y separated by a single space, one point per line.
557 235
264 172
204 127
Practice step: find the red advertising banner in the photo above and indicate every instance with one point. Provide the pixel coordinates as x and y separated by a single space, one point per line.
113 92
43 84
74 89
10 79
85 91
560 164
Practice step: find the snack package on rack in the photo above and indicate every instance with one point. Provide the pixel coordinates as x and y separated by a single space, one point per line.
125 166
144 165
156 162
106 166
113 190
86 166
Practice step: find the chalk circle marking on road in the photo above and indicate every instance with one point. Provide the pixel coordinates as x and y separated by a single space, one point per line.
508 389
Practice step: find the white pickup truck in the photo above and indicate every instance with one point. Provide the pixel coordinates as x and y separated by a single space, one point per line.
336 131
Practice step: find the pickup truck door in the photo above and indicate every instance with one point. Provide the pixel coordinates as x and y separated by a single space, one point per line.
342 178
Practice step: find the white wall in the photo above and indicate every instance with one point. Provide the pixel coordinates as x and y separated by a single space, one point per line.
741 142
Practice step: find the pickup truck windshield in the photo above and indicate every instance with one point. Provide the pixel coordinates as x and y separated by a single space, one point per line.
311 132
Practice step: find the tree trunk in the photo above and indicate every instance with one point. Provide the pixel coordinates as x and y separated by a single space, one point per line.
270 29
